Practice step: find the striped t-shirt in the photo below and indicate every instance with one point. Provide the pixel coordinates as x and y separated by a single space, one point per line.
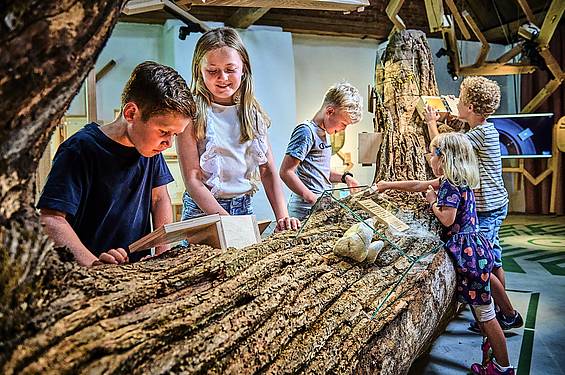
491 194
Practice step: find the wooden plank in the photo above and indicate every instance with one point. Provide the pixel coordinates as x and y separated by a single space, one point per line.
527 10
550 22
91 109
498 33
511 53
392 10
434 11
450 43
551 63
494 69
481 58
336 5
105 69
544 93
245 17
383 215
143 6
458 19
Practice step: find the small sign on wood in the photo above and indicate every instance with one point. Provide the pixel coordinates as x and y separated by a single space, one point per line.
383 215
214 230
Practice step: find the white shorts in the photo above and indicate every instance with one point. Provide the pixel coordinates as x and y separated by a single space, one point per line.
484 313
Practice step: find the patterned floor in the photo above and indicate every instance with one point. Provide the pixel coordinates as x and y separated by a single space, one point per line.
534 262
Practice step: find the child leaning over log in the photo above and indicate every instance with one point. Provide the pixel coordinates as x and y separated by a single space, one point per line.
454 163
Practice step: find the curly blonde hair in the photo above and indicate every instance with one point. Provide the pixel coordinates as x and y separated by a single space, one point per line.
345 96
482 93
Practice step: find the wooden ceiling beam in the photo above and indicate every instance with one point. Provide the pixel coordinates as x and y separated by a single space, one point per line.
457 16
245 17
497 33
337 5
527 10
551 21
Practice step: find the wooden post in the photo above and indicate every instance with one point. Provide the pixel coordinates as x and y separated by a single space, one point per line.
91 111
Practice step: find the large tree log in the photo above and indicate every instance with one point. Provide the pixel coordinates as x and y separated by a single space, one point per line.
287 305
277 307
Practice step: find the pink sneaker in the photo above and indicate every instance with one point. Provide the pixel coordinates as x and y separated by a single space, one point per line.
487 352
490 369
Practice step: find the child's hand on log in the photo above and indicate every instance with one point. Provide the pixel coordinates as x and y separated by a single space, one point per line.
286 223
112 256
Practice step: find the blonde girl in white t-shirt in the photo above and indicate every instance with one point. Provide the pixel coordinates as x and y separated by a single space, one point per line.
227 152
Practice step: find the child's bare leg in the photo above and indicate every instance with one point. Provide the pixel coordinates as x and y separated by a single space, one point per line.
500 296
499 273
497 341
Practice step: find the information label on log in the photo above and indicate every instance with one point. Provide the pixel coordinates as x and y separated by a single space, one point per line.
383 215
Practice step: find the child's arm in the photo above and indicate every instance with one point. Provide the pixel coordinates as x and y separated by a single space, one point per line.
189 162
273 189
288 174
62 234
446 215
349 180
431 117
161 212
415 186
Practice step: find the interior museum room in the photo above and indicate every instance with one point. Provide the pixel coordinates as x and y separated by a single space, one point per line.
282 187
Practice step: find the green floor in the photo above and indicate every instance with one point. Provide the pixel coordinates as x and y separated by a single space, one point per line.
534 262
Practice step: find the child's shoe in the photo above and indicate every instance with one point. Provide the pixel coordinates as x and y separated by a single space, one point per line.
490 369
508 323
505 323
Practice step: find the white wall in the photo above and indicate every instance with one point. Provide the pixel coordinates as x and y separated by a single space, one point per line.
319 63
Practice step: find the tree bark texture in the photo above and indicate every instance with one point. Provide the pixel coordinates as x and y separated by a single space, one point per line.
46 51
407 72
287 305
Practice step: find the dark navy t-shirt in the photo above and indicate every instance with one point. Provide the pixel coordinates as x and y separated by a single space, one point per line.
104 188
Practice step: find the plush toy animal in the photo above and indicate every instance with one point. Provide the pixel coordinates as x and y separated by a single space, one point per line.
356 243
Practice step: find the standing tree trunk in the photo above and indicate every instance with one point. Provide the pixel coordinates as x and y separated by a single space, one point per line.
287 305
407 72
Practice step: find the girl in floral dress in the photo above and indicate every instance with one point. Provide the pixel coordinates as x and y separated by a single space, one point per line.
452 201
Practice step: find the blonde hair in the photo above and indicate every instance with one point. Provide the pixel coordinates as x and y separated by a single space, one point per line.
346 97
250 111
482 93
458 159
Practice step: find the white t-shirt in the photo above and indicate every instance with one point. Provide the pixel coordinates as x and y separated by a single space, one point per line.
230 168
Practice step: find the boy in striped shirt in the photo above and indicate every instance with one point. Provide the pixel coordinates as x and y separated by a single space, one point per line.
478 99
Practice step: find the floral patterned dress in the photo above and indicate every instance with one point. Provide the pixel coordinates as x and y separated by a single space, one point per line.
470 250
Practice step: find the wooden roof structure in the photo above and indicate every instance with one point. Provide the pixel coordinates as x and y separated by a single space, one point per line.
499 21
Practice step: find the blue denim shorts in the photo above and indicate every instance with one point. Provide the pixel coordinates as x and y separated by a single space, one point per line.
297 207
489 224
234 206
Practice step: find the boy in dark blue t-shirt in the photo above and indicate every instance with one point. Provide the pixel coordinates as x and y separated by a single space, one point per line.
107 181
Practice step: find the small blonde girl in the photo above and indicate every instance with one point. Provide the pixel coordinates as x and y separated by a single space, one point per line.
227 153
454 162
